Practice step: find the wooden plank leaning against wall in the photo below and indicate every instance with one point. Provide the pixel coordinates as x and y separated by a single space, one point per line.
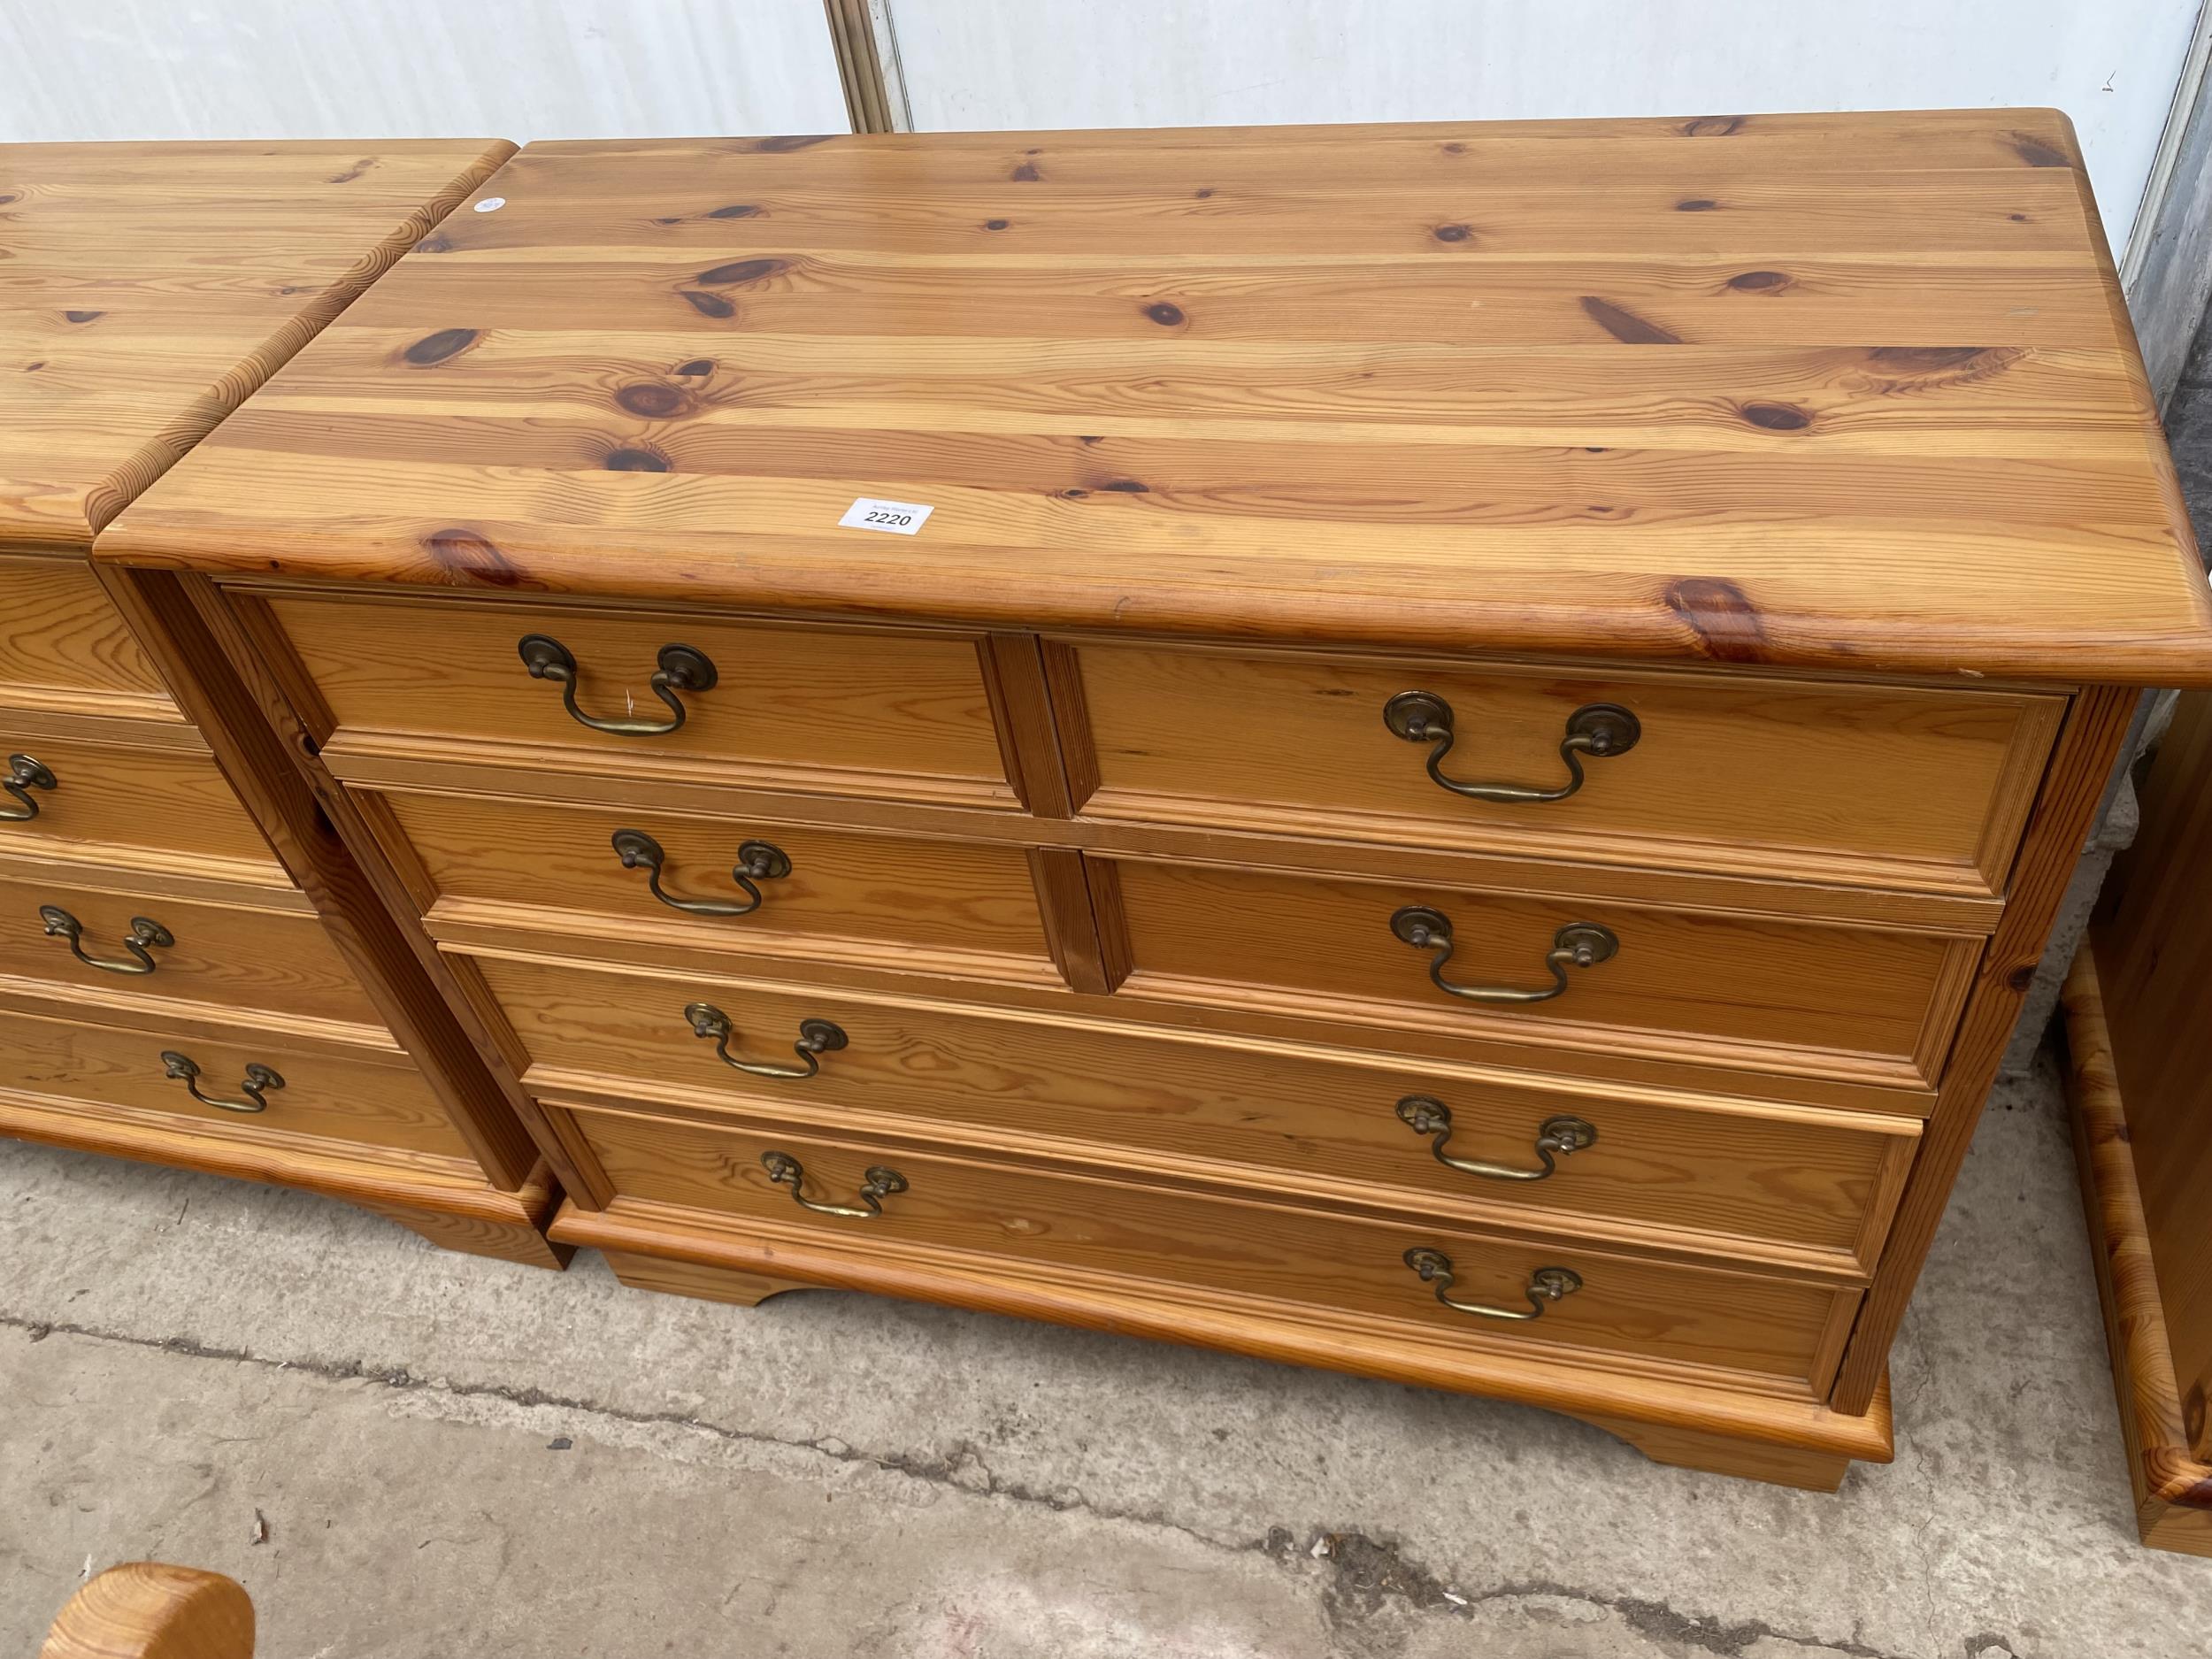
151 288
1786 517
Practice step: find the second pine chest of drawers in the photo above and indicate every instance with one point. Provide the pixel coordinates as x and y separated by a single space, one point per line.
1460 779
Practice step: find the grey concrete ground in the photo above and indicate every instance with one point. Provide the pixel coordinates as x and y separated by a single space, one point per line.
455 1458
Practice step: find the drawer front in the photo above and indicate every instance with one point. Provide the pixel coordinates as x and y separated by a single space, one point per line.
1304 1124
62 640
249 960
293 1090
169 806
1862 1003
1684 1314
1892 784
883 900
901 714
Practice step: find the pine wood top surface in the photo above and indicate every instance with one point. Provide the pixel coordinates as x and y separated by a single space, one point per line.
1845 391
146 288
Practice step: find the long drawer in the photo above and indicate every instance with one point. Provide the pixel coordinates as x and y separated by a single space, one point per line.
757 886
161 805
1318 1124
112 941
1894 785
1773 1328
1859 1003
265 1084
898 713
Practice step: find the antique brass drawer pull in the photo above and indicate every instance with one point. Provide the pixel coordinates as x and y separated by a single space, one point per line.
24 775
880 1183
1557 1139
1595 729
756 861
260 1079
817 1037
1545 1285
144 933
682 668
1576 945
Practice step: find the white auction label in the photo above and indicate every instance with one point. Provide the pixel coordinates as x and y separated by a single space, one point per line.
899 517
491 205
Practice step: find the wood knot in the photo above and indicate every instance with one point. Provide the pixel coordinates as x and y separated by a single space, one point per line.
708 304
1165 314
1026 173
435 244
1127 486
1452 232
468 556
637 459
447 342
1626 326
1696 204
1759 281
2021 978
740 209
2038 152
738 273
784 143
84 317
1712 127
997 224
695 369
1722 618
651 401
1776 416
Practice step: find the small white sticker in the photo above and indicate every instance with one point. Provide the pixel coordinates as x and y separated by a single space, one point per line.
491 205
899 517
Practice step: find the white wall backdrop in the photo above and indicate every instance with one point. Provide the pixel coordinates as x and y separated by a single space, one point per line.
518 69
2112 64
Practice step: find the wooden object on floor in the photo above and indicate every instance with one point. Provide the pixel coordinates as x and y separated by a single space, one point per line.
1340 744
147 1609
203 973
2141 1077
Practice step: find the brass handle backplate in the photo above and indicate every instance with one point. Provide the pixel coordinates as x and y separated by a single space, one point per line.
259 1081
145 934
24 775
786 1170
682 668
1546 1286
1595 729
756 861
1558 1138
817 1037
1576 945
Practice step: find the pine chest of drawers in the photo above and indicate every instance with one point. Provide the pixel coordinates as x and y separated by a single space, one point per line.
192 968
1439 751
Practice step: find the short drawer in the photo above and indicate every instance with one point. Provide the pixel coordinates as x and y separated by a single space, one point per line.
1687 1316
109 942
64 644
168 807
1925 787
898 713
270 1085
1870 1004
751 886
1302 1123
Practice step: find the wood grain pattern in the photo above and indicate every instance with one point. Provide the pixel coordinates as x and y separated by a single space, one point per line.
63 645
1636 386
1771 1329
692 1279
147 1609
1759 992
2162 1427
1895 786
906 713
166 808
1808 1190
2073 790
151 288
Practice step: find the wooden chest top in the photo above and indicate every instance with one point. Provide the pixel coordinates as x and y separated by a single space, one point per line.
1853 392
145 289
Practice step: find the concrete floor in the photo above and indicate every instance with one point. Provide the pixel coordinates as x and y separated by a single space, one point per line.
452 1456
